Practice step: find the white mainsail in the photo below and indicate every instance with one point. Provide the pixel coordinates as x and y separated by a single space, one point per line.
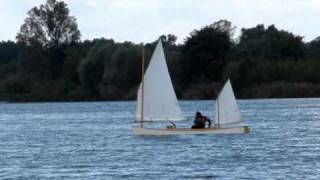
160 101
227 110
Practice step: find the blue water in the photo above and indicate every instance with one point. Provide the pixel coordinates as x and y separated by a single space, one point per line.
94 141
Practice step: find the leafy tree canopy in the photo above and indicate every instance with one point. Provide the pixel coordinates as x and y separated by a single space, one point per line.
206 49
270 43
49 25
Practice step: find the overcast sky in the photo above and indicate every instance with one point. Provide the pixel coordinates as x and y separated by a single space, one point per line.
145 20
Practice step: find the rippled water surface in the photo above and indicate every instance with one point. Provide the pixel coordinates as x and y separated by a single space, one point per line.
94 141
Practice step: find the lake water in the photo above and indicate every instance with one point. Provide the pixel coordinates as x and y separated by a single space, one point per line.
94 141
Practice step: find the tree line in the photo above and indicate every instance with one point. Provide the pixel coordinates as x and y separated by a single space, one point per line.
49 62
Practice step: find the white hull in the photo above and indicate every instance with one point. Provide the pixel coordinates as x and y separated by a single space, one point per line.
186 131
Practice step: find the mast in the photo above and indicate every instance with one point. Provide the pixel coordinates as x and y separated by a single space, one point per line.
218 112
142 86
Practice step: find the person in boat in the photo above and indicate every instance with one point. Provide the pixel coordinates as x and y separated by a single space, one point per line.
200 121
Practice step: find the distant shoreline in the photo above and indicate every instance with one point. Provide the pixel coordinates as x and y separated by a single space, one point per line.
133 100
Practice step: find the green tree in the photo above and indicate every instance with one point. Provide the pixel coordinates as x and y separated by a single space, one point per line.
205 51
313 49
169 39
123 72
9 51
270 44
49 25
34 63
92 67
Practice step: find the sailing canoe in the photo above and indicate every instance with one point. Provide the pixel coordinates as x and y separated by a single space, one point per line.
157 101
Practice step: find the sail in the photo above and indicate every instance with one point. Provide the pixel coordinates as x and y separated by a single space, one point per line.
227 110
160 101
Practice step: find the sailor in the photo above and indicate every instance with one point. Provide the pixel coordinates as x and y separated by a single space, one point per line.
200 121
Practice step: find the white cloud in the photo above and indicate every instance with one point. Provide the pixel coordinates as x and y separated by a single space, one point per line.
145 20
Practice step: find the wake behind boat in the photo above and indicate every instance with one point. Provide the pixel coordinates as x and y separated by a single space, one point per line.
157 101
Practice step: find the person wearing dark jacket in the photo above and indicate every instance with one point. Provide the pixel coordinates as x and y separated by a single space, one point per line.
200 121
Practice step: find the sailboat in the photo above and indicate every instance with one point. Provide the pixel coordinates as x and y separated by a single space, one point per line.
157 102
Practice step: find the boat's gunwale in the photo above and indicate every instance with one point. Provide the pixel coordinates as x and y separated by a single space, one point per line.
190 129
176 131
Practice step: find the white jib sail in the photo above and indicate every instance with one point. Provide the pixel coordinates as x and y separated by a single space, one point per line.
227 109
160 101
